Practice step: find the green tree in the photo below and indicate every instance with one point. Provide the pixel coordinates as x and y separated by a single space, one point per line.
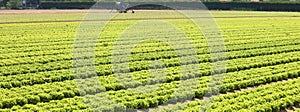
14 4
1 3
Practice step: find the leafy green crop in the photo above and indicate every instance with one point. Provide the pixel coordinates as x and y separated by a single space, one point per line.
37 70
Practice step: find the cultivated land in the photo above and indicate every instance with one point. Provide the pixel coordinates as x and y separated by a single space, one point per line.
37 72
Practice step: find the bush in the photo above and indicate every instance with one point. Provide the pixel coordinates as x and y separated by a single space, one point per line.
14 4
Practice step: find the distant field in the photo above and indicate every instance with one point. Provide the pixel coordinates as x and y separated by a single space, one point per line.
37 72
60 15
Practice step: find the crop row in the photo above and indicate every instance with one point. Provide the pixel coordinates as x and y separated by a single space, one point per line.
230 31
112 39
40 77
36 78
196 41
152 55
45 56
272 97
61 30
60 90
106 69
59 47
148 96
53 59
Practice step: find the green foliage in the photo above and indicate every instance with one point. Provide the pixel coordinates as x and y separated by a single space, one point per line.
21 101
57 95
36 72
14 4
1 3
32 99
45 97
272 1
259 100
8 103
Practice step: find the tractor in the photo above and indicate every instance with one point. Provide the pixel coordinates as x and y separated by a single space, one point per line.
122 7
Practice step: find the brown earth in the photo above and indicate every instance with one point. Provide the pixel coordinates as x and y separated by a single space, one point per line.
43 11
65 11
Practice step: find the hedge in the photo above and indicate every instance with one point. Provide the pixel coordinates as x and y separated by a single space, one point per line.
263 6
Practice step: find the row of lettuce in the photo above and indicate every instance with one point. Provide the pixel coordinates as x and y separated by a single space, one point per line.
39 76
56 72
130 93
8 64
53 48
252 50
270 97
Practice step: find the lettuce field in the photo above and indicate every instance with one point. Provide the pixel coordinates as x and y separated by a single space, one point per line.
37 71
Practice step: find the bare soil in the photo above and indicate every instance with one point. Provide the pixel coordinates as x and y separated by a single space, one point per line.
65 11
